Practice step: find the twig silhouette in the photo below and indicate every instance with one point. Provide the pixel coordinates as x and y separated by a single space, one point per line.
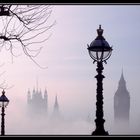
23 26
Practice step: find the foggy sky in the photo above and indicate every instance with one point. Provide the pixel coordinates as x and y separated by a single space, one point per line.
70 73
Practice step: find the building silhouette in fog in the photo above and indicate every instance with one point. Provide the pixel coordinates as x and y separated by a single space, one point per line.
121 102
56 111
37 102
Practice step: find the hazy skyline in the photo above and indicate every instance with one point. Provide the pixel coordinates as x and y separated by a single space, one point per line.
70 73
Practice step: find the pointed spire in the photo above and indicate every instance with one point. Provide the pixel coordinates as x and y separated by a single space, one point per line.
37 84
56 112
40 94
45 91
122 78
45 94
28 95
56 106
28 91
56 102
122 83
34 90
33 93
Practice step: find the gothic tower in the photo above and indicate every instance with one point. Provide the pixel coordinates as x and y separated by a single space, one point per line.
28 96
56 112
121 102
37 103
46 101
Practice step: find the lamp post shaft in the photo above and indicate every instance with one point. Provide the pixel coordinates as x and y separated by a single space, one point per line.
2 122
99 121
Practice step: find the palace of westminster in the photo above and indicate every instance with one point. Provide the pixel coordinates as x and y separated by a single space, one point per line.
38 103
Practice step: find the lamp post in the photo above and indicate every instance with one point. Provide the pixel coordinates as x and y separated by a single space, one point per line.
99 50
3 104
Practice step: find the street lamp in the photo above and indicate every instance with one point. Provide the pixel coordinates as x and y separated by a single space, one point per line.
99 50
3 104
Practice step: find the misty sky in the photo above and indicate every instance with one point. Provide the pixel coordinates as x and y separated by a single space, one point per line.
70 73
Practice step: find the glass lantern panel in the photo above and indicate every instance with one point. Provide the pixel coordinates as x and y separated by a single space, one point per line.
100 55
93 55
106 54
3 104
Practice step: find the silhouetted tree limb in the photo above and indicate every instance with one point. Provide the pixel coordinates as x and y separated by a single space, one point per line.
3 84
24 25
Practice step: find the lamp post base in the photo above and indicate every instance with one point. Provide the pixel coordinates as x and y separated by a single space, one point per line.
98 132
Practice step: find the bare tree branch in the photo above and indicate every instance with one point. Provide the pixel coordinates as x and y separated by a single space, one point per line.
3 84
25 25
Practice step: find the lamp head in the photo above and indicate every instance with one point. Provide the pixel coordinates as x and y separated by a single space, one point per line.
99 49
4 101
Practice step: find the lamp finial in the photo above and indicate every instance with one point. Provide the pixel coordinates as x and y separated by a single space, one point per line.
100 31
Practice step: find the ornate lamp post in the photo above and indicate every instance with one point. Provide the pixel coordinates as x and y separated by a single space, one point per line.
3 103
99 50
